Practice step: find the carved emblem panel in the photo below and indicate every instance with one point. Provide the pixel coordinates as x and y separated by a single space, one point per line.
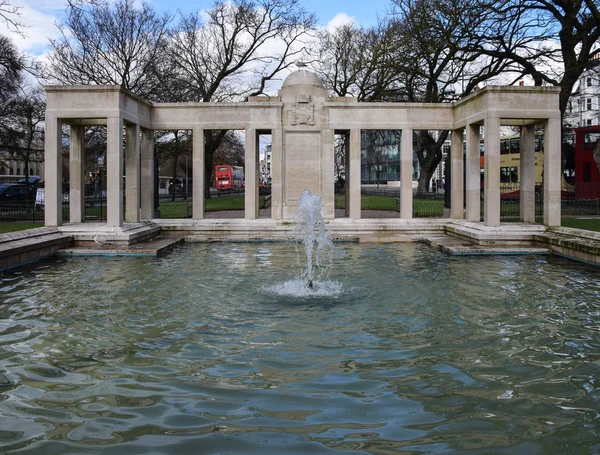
303 111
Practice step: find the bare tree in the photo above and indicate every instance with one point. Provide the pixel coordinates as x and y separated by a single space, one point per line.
359 62
233 51
11 15
556 40
172 147
112 43
23 133
339 161
11 67
231 151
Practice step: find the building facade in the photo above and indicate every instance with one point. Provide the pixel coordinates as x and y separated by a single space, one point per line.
584 104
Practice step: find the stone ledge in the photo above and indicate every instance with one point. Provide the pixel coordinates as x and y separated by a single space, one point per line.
152 247
29 249
96 234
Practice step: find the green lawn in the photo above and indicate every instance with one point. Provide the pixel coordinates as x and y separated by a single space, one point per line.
421 207
589 224
179 209
12 227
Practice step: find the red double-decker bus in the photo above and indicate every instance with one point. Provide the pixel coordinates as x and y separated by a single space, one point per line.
229 177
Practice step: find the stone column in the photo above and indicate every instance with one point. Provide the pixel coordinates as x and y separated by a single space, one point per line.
114 172
527 177
491 202
552 172
353 175
251 205
457 177
346 160
53 172
132 173
198 174
327 183
473 175
406 171
277 173
76 175
147 175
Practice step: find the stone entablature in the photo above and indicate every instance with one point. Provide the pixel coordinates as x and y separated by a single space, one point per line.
302 119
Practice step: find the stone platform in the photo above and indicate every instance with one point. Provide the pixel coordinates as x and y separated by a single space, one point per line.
152 247
456 237
23 247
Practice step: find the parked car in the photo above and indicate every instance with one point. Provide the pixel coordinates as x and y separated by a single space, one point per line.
11 195
182 186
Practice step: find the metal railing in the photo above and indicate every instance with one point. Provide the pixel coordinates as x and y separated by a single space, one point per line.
581 201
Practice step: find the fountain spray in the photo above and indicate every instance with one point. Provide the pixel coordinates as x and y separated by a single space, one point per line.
312 230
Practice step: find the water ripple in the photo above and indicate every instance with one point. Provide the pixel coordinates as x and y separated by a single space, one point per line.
224 347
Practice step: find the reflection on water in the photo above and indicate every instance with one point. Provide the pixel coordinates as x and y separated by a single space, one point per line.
205 351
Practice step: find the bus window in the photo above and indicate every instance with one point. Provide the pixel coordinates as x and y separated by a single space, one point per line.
539 143
509 174
504 146
515 145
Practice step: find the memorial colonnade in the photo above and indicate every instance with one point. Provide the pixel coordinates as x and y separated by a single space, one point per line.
302 120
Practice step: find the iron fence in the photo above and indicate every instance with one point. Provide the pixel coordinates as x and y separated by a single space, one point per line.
577 201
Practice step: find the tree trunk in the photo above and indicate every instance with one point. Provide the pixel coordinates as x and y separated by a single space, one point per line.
429 153
424 179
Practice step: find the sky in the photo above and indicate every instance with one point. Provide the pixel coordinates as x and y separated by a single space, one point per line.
41 16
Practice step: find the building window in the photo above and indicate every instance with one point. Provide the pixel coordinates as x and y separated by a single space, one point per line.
589 104
37 172
18 171
30 171
11 172
589 122
589 81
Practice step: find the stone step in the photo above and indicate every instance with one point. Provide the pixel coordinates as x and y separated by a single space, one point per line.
25 249
153 247
461 247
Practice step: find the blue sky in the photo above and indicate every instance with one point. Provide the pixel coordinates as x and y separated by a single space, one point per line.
40 16
364 11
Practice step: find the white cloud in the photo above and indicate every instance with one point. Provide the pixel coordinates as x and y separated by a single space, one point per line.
339 19
39 18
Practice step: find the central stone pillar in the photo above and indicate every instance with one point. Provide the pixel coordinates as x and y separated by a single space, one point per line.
307 143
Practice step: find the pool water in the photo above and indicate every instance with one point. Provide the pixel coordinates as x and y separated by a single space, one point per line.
219 348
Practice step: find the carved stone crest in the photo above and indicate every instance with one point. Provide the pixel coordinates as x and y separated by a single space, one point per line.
303 111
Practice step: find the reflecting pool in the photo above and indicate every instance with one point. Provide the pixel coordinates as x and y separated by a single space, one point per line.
216 348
